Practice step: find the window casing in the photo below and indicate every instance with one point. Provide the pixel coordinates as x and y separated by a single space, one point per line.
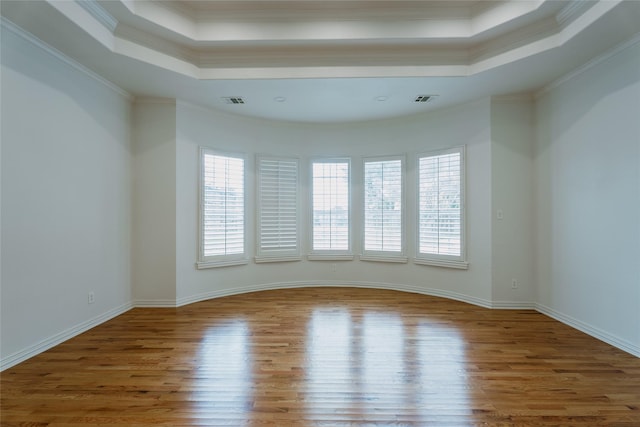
331 209
222 209
383 209
278 208
441 208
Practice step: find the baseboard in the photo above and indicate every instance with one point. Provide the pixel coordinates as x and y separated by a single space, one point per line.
59 338
155 303
513 305
48 343
337 283
607 337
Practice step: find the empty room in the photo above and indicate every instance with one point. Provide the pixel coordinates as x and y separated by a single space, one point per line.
320 213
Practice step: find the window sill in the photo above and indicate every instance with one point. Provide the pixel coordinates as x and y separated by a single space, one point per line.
461 265
330 257
384 258
201 265
263 259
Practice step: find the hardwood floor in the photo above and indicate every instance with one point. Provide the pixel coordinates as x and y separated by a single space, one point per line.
326 357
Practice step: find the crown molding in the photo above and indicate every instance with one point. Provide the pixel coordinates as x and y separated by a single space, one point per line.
588 65
99 13
26 36
572 10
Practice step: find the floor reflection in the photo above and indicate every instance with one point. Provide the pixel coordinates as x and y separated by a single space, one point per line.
383 365
223 384
330 364
441 376
373 367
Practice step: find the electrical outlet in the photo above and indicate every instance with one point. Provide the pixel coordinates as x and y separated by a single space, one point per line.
333 267
514 284
91 298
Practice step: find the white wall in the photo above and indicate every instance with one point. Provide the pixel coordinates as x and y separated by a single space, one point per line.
512 194
154 202
66 200
587 197
467 124
84 210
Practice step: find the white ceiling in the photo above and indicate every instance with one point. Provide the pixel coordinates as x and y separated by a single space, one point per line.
324 60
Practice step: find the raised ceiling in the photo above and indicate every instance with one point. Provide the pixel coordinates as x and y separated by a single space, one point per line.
327 61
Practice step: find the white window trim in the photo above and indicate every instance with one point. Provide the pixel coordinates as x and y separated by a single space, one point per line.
275 255
219 260
386 256
331 255
458 262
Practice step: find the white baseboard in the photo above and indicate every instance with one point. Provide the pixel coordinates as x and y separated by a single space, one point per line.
59 338
513 305
48 343
155 303
337 283
595 332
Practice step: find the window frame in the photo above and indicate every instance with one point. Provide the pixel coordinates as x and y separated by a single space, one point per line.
276 255
385 256
331 254
213 261
442 260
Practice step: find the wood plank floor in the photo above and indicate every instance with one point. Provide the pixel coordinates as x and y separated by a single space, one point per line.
326 357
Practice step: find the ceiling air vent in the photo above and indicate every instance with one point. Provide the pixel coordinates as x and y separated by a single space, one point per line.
424 98
233 100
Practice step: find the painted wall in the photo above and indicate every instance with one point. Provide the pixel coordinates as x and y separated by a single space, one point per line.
587 198
512 197
154 202
66 199
467 124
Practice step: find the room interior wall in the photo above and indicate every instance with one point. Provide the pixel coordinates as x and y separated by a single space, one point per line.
512 201
66 200
464 125
587 199
125 227
154 202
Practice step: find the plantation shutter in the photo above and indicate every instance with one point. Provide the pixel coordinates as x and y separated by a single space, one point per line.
440 204
331 206
277 207
222 205
383 206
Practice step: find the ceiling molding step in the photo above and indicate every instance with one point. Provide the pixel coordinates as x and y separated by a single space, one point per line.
99 13
149 41
532 33
590 64
18 31
249 73
572 10
310 11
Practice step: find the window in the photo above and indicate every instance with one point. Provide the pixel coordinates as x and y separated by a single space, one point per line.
441 208
331 216
277 209
383 210
222 210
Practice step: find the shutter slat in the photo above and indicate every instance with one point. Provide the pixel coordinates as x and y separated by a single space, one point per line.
440 214
383 205
277 205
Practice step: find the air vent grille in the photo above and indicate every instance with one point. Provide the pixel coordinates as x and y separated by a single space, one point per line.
233 100
424 98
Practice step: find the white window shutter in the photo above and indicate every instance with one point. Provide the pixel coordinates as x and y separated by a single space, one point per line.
441 211
277 207
331 205
383 205
223 210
